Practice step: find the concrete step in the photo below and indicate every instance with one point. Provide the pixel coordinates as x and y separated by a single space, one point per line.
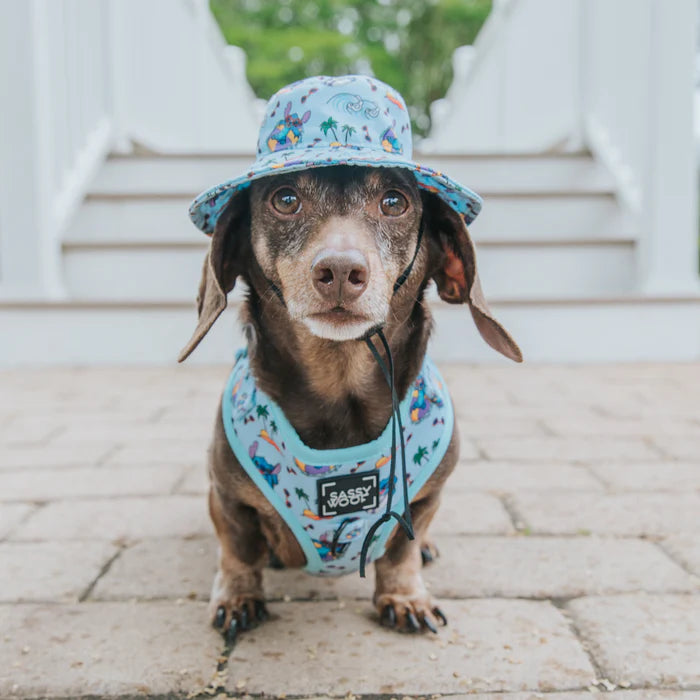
162 270
189 174
127 218
584 330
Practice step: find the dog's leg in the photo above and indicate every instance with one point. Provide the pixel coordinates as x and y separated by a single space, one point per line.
237 599
400 595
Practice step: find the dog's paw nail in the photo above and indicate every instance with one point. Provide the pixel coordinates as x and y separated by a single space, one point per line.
245 622
220 617
388 616
232 632
430 624
440 615
261 611
412 622
426 555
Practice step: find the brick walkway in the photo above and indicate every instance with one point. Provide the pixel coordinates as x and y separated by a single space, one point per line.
570 536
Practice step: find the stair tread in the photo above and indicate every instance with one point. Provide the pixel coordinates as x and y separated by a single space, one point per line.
495 175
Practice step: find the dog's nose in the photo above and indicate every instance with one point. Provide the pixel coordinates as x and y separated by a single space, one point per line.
340 276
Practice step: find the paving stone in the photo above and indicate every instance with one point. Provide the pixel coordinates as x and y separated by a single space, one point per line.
118 518
323 648
549 567
650 476
106 649
686 550
514 476
56 484
161 568
568 449
183 452
513 567
642 639
462 512
502 426
132 431
11 515
50 571
560 512
33 456
643 426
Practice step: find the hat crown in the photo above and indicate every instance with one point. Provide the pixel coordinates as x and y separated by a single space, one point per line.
351 112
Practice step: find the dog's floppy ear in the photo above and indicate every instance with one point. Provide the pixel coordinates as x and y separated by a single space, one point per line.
223 263
456 275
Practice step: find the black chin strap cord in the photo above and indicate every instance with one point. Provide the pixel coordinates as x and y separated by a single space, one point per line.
404 520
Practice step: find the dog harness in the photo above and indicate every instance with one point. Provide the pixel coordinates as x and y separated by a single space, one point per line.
332 500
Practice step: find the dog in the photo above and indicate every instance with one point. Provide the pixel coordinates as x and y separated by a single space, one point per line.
333 414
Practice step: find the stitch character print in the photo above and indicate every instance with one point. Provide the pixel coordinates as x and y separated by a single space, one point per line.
288 131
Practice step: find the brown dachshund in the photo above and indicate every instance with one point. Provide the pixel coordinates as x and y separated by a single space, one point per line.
320 251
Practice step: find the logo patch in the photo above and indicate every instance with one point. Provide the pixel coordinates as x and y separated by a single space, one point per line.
348 494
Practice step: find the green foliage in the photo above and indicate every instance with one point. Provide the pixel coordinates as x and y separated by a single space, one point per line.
406 43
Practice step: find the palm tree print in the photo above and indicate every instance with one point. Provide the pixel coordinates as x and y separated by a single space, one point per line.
329 125
302 495
273 426
263 413
348 131
420 454
436 443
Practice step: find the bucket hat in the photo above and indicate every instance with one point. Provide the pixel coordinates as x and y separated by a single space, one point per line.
324 121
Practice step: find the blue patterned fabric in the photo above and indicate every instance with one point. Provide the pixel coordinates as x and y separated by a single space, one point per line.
325 121
286 470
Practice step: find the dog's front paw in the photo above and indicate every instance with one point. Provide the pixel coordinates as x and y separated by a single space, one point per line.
233 613
409 613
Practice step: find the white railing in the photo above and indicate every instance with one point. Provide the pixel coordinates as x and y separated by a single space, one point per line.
638 76
178 86
81 77
614 77
57 102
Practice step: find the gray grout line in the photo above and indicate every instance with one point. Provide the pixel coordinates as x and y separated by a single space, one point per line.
619 692
651 443
105 568
546 430
519 523
607 486
108 453
557 601
175 490
38 505
562 605
660 544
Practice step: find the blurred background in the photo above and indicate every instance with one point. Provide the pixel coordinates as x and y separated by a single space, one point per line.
572 118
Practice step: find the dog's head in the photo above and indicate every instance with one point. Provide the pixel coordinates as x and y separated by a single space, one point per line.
334 241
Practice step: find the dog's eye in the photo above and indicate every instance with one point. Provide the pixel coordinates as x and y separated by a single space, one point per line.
393 203
286 201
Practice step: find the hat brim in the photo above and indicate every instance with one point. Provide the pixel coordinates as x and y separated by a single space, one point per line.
206 208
